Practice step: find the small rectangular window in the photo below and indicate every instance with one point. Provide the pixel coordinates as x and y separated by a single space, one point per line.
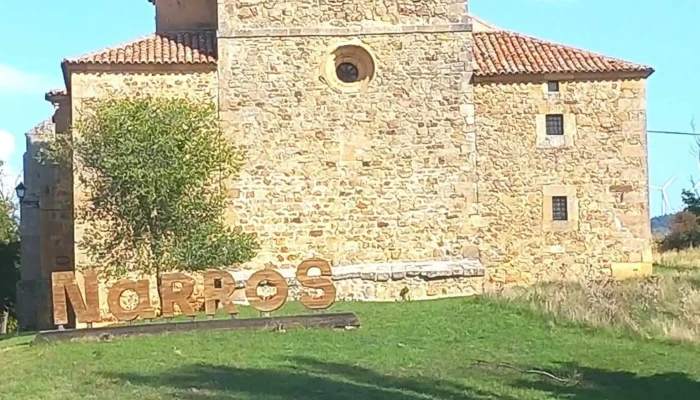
553 86
555 124
560 210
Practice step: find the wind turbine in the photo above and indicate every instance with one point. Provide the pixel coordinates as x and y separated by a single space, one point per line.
664 196
696 185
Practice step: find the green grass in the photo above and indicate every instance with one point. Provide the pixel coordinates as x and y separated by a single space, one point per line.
407 351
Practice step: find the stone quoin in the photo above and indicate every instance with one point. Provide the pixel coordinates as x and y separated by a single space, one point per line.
421 151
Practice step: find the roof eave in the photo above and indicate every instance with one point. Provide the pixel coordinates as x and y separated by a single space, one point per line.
562 76
90 66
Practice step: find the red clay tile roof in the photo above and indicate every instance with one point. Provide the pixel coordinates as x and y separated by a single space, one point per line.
196 47
54 93
504 53
496 52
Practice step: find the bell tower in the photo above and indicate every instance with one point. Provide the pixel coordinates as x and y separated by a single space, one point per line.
358 120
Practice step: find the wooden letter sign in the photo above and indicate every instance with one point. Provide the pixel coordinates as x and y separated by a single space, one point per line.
180 297
143 309
323 282
87 310
222 294
266 304
178 289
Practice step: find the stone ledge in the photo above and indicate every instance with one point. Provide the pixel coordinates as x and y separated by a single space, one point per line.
384 272
631 270
345 31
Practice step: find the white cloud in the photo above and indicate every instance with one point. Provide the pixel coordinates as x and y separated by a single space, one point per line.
8 176
14 81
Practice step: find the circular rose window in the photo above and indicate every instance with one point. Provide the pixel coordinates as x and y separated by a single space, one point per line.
349 67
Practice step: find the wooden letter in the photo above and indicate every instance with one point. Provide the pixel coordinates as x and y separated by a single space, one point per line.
222 294
87 310
180 297
142 310
270 304
321 282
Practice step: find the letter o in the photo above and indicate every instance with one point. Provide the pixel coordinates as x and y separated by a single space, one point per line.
274 302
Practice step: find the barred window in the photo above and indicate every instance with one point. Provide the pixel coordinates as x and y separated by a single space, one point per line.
560 211
553 86
347 72
555 124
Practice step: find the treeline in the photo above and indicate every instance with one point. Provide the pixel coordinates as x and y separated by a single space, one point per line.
9 263
684 227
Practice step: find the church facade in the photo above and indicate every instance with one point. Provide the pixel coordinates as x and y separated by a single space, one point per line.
408 143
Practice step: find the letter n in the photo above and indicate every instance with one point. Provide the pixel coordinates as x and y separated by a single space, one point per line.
87 310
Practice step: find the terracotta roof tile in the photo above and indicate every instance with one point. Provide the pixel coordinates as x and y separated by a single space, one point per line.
503 53
196 47
56 92
45 127
496 52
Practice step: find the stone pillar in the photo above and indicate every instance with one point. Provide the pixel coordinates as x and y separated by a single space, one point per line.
30 287
46 223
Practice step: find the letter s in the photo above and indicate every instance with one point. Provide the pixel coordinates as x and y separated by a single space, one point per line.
321 282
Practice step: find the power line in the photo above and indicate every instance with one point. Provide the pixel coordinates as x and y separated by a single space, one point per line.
675 133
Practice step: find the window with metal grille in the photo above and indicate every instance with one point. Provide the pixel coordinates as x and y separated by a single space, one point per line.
553 86
347 72
560 211
555 124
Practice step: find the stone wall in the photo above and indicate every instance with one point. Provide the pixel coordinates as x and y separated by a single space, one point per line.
366 282
246 14
602 166
87 87
178 15
196 85
380 175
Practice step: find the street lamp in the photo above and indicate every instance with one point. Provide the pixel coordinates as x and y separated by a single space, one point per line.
21 191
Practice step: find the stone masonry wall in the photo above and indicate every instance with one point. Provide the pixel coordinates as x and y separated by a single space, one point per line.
246 14
383 175
179 15
602 165
87 87
367 282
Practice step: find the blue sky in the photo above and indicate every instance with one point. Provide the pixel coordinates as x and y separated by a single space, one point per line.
40 33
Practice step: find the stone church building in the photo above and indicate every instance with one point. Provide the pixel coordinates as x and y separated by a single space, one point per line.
406 142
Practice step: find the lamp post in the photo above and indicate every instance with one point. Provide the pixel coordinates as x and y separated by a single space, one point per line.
21 192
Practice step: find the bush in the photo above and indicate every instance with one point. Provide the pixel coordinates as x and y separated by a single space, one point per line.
684 232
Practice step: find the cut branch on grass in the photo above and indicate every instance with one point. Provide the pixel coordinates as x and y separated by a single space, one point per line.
521 370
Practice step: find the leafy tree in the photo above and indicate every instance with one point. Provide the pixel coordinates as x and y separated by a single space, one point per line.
685 225
692 202
9 260
154 172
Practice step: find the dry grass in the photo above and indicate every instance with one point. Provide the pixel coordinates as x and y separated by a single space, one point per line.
679 259
665 305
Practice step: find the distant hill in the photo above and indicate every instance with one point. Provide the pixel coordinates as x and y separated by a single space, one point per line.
660 225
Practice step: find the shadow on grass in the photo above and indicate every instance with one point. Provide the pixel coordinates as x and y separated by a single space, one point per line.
305 379
311 379
598 384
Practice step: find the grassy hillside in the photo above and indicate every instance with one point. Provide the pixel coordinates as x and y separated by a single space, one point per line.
445 349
